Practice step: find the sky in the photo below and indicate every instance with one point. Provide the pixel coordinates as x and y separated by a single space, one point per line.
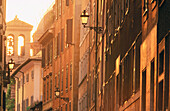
29 11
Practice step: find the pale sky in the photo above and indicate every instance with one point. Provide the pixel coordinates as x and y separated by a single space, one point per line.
30 11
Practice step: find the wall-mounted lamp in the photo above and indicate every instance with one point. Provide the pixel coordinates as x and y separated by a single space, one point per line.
11 64
84 18
57 94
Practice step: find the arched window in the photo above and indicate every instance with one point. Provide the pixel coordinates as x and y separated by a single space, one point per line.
10 45
21 46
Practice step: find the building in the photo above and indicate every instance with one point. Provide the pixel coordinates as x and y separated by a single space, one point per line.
66 54
154 67
18 35
28 85
137 55
46 41
2 50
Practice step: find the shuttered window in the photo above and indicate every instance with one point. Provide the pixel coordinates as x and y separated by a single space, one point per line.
43 57
69 31
62 40
67 2
67 76
58 44
0 47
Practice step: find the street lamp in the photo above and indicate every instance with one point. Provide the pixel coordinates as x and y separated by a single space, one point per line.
57 94
11 64
84 19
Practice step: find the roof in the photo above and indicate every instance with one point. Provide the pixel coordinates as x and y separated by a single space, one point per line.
24 64
18 23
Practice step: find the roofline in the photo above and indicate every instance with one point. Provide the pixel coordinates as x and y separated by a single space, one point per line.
23 64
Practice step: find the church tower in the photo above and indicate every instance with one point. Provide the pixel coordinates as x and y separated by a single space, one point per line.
18 34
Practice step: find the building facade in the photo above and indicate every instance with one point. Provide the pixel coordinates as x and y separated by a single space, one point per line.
66 54
46 41
2 50
28 85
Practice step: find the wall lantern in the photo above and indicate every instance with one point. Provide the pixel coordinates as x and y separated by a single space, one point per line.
84 19
57 94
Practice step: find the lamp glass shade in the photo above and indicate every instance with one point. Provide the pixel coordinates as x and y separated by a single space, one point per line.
84 20
11 64
57 93
84 17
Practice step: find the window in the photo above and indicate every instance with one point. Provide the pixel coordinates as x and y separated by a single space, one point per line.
18 84
27 77
47 89
67 2
144 90
69 106
51 88
161 62
32 74
18 108
55 80
51 52
62 72
48 54
58 44
23 104
55 47
27 103
32 99
21 47
70 74
62 40
66 107
63 6
67 76
59 79
44 92
10 45
59 7
160 96
24 79
1 48
152 85
43 57
61 108
69 31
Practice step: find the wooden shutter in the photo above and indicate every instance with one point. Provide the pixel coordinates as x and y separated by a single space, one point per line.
43 57
1 48
69 31
62 40
67 2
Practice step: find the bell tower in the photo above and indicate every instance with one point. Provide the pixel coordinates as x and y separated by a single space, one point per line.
18 34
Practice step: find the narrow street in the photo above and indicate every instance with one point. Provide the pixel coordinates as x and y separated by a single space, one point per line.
84 55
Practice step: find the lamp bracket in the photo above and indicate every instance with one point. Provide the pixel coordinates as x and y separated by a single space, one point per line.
66 99
98 30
